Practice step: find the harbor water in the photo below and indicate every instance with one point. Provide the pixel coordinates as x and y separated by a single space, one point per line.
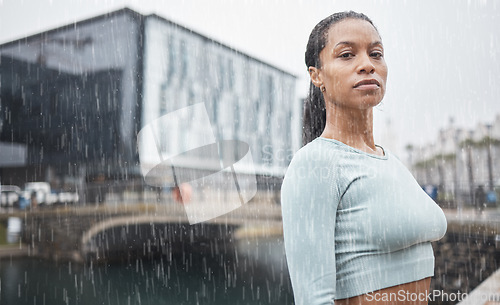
254 272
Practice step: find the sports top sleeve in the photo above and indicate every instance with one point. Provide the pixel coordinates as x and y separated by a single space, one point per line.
310 197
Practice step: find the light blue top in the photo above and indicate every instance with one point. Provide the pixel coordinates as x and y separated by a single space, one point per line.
354 223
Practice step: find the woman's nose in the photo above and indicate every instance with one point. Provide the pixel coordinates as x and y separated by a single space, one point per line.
366 65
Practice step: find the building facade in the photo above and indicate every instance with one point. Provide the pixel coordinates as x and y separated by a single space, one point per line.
73 99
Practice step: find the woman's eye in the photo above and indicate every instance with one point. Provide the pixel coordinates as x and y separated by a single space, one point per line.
346 55
376 54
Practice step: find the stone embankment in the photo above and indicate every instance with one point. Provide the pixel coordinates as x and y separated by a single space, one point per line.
467 255
14 250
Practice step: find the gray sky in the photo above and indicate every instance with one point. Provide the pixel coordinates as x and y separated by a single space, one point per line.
443 56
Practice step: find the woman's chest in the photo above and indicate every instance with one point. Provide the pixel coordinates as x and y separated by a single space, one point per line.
384 209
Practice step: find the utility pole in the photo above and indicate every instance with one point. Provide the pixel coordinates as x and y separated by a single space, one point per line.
490 166
469 142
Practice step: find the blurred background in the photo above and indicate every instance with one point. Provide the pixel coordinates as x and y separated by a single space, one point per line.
80 79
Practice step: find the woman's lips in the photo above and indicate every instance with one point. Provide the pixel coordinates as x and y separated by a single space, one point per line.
367 84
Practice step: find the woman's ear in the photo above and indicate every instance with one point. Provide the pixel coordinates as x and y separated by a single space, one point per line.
315 77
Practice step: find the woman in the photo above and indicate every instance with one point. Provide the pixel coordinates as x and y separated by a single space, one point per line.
357 226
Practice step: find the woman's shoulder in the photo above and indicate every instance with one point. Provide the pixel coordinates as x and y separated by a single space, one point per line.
313 174
317 152
316 160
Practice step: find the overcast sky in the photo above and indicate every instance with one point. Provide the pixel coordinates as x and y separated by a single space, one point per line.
443 56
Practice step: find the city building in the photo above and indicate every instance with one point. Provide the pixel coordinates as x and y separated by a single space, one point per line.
74 99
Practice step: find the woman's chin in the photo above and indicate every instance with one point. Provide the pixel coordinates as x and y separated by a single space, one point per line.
370 102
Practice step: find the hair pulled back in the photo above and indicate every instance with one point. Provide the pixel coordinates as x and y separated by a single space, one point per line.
314 117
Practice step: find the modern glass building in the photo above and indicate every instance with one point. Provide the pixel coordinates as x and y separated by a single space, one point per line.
74 99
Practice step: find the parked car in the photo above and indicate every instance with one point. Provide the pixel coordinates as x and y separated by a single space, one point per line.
42 193
9 195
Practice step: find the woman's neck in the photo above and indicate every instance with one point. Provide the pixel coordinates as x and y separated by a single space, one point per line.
352 127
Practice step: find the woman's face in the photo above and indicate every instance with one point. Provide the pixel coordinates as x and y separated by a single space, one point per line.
353 69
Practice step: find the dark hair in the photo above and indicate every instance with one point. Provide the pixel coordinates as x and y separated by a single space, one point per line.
314 117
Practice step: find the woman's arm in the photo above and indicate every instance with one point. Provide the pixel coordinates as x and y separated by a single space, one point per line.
310 197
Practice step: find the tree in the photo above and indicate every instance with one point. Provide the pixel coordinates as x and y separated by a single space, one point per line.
468 144
487 142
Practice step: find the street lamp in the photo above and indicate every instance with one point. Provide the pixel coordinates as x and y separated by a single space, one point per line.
469 144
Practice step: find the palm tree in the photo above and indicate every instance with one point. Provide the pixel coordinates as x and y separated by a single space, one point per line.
426 167
468 144
487 142
443 163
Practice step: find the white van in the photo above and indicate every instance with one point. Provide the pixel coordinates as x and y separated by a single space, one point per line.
42 192
45 196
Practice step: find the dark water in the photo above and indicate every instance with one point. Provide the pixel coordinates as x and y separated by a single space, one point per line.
255 273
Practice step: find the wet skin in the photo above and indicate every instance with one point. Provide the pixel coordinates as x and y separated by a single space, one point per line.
354 74
413 293
353 69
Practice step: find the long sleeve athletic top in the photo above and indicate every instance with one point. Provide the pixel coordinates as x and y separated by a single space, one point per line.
354 223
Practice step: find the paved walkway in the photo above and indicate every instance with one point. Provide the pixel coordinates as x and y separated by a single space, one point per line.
488 293
469 215
487 222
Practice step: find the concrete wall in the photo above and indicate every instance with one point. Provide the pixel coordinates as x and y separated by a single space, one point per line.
465 257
